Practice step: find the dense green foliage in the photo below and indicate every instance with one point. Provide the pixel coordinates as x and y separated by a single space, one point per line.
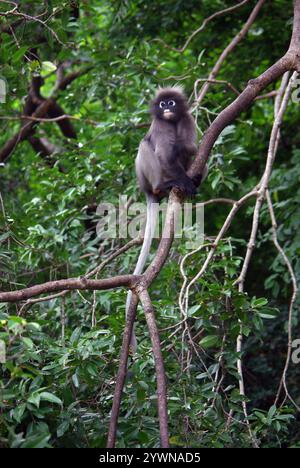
57 383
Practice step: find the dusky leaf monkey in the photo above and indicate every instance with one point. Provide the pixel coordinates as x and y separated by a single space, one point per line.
164 156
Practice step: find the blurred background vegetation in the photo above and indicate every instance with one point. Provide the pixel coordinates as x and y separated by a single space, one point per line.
57 384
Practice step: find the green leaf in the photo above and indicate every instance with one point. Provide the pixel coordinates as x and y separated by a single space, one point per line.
192 310
34 399
48 67
271 413
36 441
209 341
62 428
46 396
260 302
19 54
28 342
267 316
18 412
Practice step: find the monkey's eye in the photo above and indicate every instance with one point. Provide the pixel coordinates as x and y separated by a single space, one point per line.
162 104
171 103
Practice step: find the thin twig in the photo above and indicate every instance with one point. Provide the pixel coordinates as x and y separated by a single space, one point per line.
280 106
231 46
207 20
283 382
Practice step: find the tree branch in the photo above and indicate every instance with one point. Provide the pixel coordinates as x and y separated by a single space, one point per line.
159 365
283 382
44 107
69 284
122 372
241 34
205 22
290 61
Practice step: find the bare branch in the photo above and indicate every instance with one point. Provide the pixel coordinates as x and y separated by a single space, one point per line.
269 95
69 284
237 205
213 81
235 41
283 382
30 302
159 365
50 120
114 255
43 109
280 106
122 372
16 13
290 61
166 239
274 138
205 22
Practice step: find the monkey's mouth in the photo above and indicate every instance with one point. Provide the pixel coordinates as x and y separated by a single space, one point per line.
168 114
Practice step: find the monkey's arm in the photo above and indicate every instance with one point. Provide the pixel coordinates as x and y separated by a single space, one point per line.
186 145
186 136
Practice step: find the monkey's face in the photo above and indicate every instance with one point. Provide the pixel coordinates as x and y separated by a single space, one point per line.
167 109
169 106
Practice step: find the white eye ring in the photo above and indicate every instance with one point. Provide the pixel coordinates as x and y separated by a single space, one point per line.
162 104
171 103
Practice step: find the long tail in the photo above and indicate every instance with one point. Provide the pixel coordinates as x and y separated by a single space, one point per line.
148 236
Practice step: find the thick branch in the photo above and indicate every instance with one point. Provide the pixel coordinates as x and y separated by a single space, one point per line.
166 239
295 40
241 103
159 366
122 372
42 146
290 61
25 131
44 108
69 284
